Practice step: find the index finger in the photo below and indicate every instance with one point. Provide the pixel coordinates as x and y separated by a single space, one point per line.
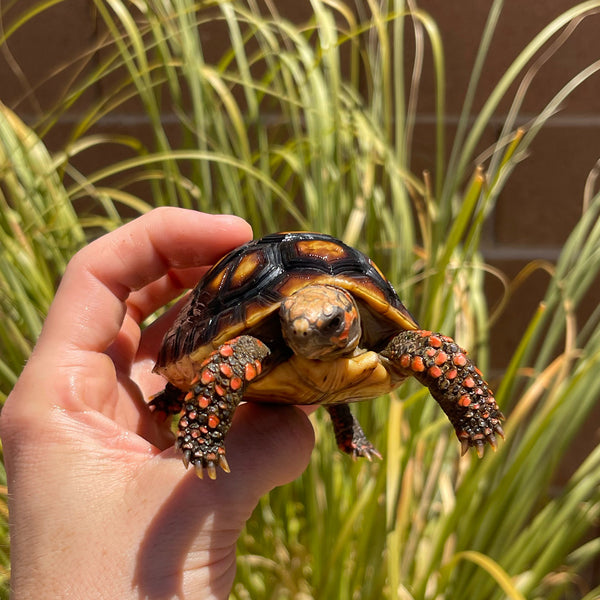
89 306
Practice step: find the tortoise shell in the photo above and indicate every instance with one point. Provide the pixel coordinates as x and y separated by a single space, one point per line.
242 293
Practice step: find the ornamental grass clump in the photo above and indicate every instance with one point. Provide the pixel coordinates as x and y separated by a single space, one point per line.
311 126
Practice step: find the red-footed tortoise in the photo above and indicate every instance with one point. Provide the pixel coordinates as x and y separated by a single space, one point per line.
302 318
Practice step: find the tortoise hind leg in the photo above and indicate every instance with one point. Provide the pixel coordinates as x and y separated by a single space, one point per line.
349 435
209 405
168 402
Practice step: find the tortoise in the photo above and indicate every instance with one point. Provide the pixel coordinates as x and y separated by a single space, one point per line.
303 318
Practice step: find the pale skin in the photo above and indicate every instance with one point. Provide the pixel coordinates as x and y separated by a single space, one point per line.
100 505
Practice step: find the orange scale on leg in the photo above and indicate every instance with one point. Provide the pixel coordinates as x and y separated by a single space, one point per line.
226 370
435 341
417 364
250 371
226 350
441 358
460 360
206 376
435 371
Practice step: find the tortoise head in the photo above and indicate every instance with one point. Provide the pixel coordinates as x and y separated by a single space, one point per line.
320 322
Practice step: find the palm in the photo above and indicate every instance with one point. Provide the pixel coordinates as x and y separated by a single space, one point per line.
76 427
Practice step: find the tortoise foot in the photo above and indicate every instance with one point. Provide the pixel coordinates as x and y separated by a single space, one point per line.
209 405
203 456
454 381
168 402
349 435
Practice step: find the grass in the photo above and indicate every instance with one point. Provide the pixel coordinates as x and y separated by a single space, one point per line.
310 126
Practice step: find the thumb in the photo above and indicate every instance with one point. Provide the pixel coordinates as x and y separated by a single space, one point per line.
195 530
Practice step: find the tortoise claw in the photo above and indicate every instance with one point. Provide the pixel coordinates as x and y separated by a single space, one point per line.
224 464
211 469
480 448
499 430
464 446
187 455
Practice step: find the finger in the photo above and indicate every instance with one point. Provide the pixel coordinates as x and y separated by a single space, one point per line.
269 445
153 334
197 522
143 302
90 304
151 338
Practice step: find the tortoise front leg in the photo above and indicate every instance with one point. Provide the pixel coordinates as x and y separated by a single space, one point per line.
349 435
440 364
209 405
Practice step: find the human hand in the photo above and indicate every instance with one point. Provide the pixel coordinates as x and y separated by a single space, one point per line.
100 505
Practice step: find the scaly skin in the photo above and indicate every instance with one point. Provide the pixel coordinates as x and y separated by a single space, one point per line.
441 365
433 359
209 404
349 435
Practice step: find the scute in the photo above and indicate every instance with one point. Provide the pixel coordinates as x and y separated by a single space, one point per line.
326 250
246 288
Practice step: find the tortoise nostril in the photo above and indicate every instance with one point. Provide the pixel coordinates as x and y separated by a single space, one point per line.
335 322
